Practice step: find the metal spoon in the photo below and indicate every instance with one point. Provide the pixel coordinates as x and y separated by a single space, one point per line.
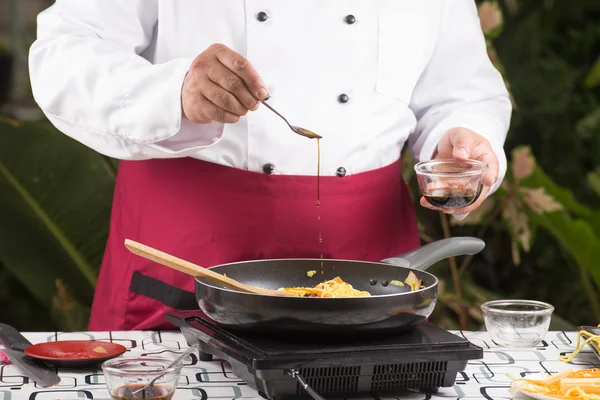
296 129
147 390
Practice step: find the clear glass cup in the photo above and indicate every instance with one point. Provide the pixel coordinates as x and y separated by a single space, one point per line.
449 183
517 323
126 375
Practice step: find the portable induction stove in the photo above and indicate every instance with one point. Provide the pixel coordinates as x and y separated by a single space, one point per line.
424 358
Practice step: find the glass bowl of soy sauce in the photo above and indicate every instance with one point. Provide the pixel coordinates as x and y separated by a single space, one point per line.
124 376
450 183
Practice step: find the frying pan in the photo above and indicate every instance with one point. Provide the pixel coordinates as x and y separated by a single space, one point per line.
390 308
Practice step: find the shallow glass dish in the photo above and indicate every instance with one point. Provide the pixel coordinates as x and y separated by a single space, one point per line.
126 375
449 183
517 323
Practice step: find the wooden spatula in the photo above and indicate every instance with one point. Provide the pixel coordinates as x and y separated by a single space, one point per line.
195 270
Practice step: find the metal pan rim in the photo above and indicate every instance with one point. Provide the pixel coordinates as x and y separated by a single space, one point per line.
370 298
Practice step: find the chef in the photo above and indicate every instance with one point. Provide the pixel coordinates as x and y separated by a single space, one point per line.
209 174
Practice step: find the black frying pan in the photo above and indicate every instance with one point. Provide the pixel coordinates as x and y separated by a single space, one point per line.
389 308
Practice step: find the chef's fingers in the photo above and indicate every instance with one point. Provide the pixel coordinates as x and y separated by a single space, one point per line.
462 141
232 83
483 152
454 143
244 69
207 112
222 98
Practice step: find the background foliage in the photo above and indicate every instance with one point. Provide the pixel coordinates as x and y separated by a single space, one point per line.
542 228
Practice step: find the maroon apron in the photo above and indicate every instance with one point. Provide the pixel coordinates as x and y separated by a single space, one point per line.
211 214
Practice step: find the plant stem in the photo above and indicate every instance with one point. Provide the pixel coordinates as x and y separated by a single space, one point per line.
463 315
425 237
590 292
112 172
490 219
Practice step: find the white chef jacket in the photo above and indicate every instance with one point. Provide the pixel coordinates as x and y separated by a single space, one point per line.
366 75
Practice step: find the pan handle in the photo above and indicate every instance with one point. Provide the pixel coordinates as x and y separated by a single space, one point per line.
425 256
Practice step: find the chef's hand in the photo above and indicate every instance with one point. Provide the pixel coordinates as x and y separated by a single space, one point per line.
463 144
221 86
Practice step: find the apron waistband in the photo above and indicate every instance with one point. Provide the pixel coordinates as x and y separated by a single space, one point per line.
227 179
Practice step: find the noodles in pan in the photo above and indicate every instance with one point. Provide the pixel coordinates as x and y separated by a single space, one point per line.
336 287
332 288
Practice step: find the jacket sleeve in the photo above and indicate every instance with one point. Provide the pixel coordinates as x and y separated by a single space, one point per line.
91 82
460 87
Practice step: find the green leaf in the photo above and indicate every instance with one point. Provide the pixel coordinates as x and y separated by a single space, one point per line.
593 77
577 236
54 208
595 223
24 312
589 126
594 181
539 179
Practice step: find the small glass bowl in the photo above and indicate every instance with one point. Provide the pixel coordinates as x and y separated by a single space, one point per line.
449 183
517 323
126 375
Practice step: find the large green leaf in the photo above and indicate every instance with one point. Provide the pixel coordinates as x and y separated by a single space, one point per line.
54 208
593 77
578 237
594 181
24 313
588 126
539 178
576 228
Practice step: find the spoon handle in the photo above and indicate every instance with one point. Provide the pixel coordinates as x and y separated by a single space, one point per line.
186 353
275 111
194 270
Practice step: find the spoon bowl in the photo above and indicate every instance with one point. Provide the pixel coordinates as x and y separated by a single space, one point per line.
296 129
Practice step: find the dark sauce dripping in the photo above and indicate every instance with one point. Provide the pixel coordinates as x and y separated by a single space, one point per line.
373 282
319 196
307 133
452 197
157 392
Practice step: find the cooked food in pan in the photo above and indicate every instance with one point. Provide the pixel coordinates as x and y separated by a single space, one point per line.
336 287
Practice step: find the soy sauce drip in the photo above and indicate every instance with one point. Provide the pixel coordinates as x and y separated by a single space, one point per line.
318 172
319 197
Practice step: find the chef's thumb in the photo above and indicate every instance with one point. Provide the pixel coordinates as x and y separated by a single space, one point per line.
461 145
